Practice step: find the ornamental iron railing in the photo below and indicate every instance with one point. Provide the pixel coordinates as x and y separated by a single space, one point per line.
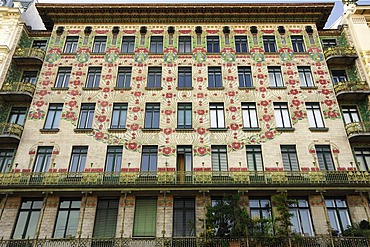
352 86
19 87
29 52
357 127
11 129
340 51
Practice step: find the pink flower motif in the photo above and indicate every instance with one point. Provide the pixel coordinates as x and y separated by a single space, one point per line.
264 103
202 150
132 145
231 93
43 92
294 91
335 151
325 91
234 126
269 135
104 103
99 135
167 150
201 131
70 114
72 103
236 145
168 112
167 131
102 118
298 114
233 109
39 103
169 95
169 79
136 109
200 95
74 93
296 102
199 79
200 112
262 89
312 151
328 102
266 118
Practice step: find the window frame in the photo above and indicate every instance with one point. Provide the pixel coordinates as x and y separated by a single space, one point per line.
53 116
6 158
185 211
324 154
156 44
128 44
184 46
217 116
252 151
100 44
17 115
289 154
213 44
245 78
154 80
305 76
30 76
241 43
119 116
80 152
152 116
282 116
215 77
113 159
150 151
124 77
93 78
297 43
314 115
337 210
339 75
275 77
44 153
184 78
350 114
300 207
152 225
30 211
70 209
249 115
63 77
219 159
86 117
185 110
362 159
71 44
40 44
269 43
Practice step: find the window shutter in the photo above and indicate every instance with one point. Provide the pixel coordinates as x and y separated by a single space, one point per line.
106 219
145 217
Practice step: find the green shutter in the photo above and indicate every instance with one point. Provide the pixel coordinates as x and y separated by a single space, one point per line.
106 219
145 217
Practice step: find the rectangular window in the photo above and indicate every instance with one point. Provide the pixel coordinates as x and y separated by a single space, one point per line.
282 115
63 76
53 116
114 159
245 76
301 217
106 218
119 116
254 158
290 159
184 77
241 44
183 217
28 218
39 44
152 112
184 120
86 116
17 115
145 220
156 44
214 77
213 44
71 44
324 157
184 159
269 43
339 76
43 159
297 43
219 158
249 115
184 44
124 77
67 218
261 209
314 115
128 44
149 159
30 76
78 159
305 76
217 115
362 158
275 76
6 158
350 114
338 214
154 77
100 44
326 43
93 77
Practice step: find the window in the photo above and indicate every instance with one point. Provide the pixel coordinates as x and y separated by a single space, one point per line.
326 43
219 158
43 158
27 220
71 44
6 158
338 214
305 76
53 116
183 217
128 44
350 114
289 155
249 115
297 43
67 219
152 116
269 43
184 120
149 159
30 76
324 157
214 77
282 115
217 115
245 76
39 44
314 115
64 73
78 159
100 43
275 77
86 116
184 44
93 77
362 158
119 116
106 218
156 44
124 77
241 44
339 76
17 115
184 77
213 44
145 220
261 209
254 158
154 77
114 159
301 217
184 159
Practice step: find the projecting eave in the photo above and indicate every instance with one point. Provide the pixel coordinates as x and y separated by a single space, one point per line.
317 13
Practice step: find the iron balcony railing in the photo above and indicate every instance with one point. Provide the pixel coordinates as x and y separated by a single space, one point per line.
60 179
352 86
19 87
357 127
11 129
29 52
340 51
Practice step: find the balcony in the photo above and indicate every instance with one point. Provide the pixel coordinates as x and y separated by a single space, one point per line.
17 91
29 56
351 90
358 132
341 55
10 133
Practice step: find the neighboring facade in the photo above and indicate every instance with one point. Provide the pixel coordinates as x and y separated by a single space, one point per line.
138 116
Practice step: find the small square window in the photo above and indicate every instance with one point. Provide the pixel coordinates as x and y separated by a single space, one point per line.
213 44
100 44
156 44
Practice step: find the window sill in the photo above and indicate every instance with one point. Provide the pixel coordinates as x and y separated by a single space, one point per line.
184 129
276 88
153 88
243 88
98 53
217 129
78 130
68 53
60 88
184 88
215 88
321 129
155 53
122 88
309 87
91 88
285 129
49 131
126 53
117 129
251 129
150 130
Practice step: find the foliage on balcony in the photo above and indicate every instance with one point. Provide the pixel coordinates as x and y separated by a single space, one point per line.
340 51
357 127
30 52
19 87
351 86
11 129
